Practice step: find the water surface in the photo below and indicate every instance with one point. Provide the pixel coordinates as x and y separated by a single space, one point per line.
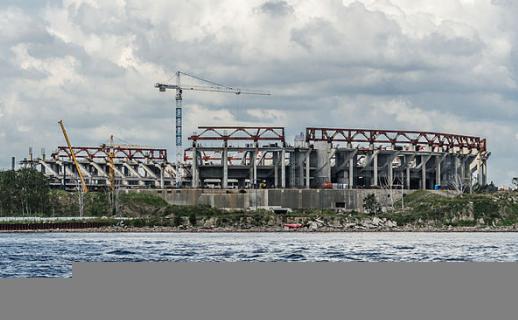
52 254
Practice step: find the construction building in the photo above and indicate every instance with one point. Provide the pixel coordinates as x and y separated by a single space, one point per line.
133 167
335 158
260 157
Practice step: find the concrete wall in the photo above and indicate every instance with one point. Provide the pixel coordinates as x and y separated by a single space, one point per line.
286 198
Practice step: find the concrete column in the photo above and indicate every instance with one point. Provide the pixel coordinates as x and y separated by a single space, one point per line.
351 172
301 182
162 168
307 168
224 160
194 168
423 173
484 172
390 174
276 169
438 170
283 168
375 169
456 167
479 170
253 168
463 171
408 177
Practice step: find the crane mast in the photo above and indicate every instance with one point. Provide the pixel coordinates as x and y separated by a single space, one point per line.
211 87
179 130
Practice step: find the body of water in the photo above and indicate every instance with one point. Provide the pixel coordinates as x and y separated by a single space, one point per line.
52 254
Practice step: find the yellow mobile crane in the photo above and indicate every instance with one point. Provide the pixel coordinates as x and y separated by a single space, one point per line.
73 156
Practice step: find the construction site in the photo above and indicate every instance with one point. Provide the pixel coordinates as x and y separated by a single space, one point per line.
228 161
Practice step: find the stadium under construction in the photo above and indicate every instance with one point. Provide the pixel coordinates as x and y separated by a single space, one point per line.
261 158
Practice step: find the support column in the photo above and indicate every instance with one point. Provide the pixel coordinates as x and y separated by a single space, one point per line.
390 174
283 168
194 168
408 177
423 173
301 180
224 159
351 172
438 170
484 172
479 170
254 168
162 168
463 171
456 168
276 169
375 169
307 168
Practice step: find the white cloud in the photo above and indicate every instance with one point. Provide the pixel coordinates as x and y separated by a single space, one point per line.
446 65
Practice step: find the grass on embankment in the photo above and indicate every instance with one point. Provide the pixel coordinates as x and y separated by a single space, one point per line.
500 208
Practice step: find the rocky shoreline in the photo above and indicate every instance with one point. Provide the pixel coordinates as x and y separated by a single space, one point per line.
276 229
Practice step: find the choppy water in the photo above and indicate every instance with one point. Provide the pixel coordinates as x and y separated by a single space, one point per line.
52 254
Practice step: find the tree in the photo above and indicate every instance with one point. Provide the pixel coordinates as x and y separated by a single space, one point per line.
371 205
24 192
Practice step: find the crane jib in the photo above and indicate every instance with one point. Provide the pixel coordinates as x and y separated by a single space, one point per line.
211 87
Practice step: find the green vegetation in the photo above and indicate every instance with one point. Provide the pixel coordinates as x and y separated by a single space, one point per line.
23 192
371 205
26 193
460 210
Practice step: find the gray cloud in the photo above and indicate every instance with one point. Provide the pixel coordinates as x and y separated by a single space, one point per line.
276 8
444 66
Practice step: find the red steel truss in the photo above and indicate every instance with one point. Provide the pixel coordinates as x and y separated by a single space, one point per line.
443 141
240 134
120 152
217 156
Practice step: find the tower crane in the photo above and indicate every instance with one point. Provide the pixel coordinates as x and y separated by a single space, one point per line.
210 87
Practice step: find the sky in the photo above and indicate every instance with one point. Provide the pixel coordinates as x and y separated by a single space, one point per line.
442 65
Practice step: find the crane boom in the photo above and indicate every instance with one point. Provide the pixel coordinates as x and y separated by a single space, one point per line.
73 156
211 87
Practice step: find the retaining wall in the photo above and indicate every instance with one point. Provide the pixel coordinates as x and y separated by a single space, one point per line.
286 198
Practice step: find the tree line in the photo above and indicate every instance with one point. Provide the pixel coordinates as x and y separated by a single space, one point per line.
23 192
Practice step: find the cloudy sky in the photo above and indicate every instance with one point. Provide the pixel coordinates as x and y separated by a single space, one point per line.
441 65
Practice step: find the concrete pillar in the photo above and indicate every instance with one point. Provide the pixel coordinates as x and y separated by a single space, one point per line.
408 177
351 172
301 181
162 168
479 170
308 154
463 171
484 172
423 173
438 170
375 169
283 168
253 169
456 167
390 174
224 160
194 168
276 169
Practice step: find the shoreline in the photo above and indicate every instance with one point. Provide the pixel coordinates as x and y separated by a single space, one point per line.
265 230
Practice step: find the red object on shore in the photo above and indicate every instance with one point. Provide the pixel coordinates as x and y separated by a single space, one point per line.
327 185
293 225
